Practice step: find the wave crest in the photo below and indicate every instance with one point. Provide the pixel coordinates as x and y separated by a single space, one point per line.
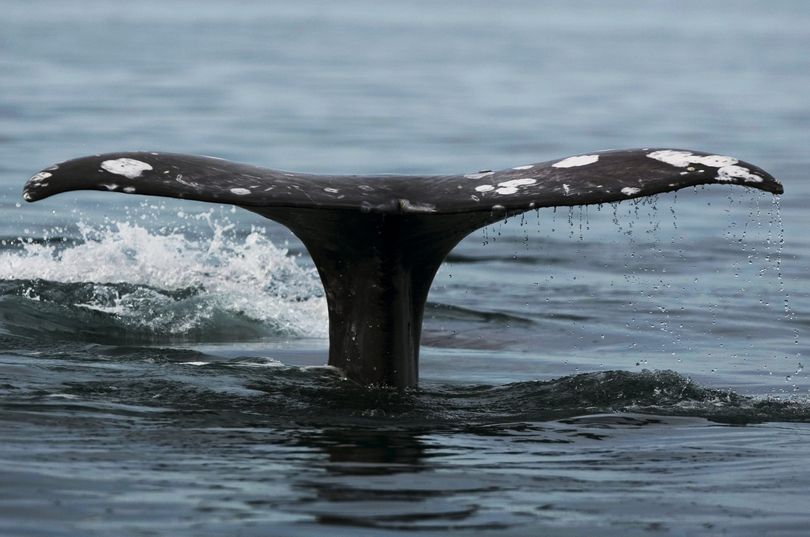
125 279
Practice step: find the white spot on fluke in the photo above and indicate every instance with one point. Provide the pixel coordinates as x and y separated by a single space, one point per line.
572 162
179 179
518 182
674 158
112 186
331 190
409 207
508 187
128 167
682 159
566 188
630 190
41 176
527 167
730 173
479 175
240 191
129 189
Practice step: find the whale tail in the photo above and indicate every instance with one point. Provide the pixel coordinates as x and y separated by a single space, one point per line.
377 241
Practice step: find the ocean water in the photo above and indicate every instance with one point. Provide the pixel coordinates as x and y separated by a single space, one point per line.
628 369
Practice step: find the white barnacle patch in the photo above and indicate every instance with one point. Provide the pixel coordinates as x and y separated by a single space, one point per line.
111 186
566 189
484 188
179 179
730 173
682 159
331 190
41 176
716 161
129 189
479 175
630 190
673 158
511 186
128 167
527 167
240 191
572 162
26 196
518 182
409 207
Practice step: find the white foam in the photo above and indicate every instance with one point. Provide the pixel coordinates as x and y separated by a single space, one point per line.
248 276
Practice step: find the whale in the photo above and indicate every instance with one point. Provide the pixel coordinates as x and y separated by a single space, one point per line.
377 241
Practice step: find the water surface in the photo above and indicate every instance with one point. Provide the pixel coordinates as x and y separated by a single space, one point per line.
616 370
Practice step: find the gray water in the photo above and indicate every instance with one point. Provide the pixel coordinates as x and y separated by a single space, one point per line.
617 370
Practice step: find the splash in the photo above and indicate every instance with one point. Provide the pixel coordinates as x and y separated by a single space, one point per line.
168 283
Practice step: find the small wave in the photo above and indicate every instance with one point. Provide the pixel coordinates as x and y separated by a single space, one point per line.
449 312
125 281
212 391
648 392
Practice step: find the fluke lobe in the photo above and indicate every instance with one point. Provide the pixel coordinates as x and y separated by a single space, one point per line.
378 241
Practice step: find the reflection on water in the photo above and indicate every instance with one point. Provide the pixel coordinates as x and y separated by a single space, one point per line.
114 433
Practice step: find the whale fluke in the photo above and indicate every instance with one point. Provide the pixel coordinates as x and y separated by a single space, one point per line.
378 240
